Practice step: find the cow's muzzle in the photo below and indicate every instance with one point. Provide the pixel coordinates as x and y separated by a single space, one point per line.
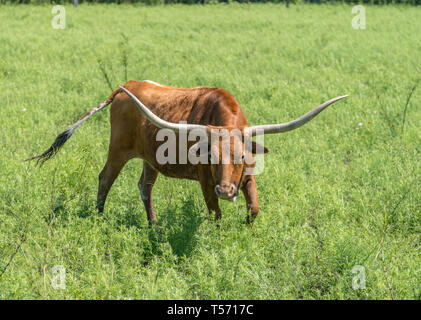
226 191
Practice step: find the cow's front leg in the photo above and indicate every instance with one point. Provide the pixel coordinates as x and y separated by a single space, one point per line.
249 189
211 199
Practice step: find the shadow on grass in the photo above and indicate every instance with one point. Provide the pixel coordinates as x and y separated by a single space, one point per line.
177 227
132 217
174 234
60 208
85 209
182 233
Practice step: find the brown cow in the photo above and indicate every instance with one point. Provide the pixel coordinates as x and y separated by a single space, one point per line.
134 134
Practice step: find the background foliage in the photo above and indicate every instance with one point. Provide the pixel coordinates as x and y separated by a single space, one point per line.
342 191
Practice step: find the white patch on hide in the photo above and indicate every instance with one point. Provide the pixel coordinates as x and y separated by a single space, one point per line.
155 83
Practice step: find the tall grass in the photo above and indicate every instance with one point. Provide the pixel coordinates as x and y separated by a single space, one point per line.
342 191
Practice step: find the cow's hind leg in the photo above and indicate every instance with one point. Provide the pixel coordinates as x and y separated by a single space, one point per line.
145 184
115 162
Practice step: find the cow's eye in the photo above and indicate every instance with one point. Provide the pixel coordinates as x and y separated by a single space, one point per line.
241 158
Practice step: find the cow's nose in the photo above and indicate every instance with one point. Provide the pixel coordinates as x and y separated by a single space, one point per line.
225 191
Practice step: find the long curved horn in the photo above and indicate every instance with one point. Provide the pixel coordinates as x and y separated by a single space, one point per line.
284 127
157 121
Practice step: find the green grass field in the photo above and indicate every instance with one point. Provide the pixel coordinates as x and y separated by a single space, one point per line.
334 194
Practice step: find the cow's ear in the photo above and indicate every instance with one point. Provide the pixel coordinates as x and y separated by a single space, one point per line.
258 148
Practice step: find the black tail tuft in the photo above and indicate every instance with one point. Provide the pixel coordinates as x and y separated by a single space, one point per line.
65 135
55 147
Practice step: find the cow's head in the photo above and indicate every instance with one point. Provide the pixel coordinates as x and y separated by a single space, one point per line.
228 150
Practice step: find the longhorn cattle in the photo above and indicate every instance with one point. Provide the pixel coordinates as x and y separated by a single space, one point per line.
140 110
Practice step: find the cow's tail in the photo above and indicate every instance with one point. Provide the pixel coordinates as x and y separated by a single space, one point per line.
66 134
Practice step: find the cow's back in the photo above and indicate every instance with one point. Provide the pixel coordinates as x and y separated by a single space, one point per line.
131 131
